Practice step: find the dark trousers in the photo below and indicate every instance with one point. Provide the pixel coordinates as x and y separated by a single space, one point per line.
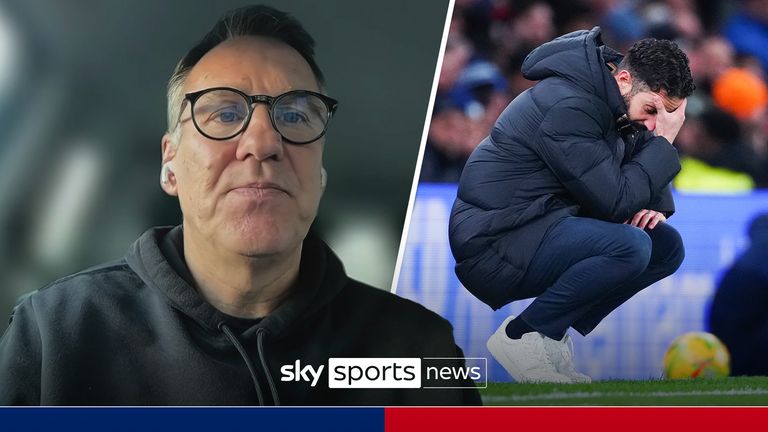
585 268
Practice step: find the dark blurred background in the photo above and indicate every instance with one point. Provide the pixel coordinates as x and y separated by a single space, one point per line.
724 142
82 111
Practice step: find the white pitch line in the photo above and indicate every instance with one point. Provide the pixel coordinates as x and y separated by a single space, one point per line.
588 395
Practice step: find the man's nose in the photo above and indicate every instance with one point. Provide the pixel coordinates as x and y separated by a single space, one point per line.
650 124
260 139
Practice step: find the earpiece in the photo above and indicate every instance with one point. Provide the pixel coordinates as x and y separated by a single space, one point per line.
164 172
323 177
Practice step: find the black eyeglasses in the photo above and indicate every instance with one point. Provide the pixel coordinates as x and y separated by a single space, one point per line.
299 116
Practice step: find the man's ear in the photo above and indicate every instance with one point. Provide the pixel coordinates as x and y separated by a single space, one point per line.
624 80
167 176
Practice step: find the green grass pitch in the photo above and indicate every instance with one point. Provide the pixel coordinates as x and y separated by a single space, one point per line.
699 392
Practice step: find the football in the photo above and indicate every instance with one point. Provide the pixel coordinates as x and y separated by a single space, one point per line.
696 355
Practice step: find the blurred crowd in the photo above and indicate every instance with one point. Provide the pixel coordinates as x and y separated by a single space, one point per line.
724 142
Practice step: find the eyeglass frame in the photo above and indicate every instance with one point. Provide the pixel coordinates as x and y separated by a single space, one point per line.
330 103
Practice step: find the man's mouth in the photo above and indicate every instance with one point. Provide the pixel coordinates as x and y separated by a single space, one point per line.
261 189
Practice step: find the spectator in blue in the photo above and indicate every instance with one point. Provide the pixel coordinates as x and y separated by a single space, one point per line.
739 312
747 30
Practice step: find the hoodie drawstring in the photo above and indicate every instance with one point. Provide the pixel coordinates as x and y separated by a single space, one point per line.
260 348
249 364
232 338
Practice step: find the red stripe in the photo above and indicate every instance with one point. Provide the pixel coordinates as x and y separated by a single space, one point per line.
576 419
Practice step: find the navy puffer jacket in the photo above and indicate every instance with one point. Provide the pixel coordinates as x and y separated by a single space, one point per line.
555 151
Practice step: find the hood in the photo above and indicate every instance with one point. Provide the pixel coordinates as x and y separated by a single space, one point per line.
581 58
321 278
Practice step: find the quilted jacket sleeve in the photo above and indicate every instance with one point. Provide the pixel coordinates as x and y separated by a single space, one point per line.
571 141
663 202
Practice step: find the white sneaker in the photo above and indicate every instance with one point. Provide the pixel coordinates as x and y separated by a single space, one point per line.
561 354
526 358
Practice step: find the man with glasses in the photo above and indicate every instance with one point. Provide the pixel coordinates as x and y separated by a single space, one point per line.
241 304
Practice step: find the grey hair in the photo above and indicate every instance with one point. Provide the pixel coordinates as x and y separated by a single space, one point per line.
175 101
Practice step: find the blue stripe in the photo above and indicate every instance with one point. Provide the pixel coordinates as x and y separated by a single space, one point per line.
192 419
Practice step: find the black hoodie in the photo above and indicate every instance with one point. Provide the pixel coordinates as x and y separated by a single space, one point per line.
136 332
559 149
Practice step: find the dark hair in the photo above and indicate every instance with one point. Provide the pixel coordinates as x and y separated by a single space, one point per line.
661 65
256 20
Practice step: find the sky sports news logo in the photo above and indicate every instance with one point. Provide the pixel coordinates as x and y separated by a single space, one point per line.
357 373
